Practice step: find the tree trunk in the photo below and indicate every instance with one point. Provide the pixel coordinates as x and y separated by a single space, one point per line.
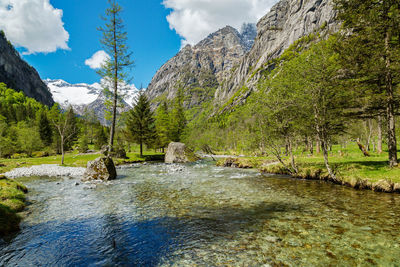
114 116
362 148
141 149
62 150
318 146
391 130
380 134
292 162
311 144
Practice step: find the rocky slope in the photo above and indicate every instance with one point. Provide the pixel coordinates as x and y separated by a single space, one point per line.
84 97
286 22
200 69
18 75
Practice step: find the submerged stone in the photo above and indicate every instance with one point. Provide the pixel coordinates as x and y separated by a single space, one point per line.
102 168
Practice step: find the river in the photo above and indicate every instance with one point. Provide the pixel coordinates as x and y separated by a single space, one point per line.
200 214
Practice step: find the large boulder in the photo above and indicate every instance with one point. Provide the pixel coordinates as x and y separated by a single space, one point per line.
179 153
102 168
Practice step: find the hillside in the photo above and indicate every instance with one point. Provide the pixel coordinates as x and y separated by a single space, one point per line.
20 76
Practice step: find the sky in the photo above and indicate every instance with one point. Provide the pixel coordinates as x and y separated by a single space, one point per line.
60 38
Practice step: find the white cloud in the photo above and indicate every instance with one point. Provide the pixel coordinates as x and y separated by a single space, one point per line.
195 19
33 24
97 59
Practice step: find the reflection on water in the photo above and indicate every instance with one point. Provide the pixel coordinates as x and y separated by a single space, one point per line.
183 215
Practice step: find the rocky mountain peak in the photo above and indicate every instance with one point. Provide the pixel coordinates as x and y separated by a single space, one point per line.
203 66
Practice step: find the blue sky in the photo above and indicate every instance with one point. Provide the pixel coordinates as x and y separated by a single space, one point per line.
150 39
58 36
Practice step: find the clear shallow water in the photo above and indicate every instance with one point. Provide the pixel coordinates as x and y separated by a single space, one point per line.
187 215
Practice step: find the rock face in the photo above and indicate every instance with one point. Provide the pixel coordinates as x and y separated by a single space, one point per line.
179 153
18 75
202 68
286 22
102 168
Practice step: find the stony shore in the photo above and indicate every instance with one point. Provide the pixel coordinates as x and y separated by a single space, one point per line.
46 170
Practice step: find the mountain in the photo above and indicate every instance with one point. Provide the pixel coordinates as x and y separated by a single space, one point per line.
287 22
84 96
226 67
18 75
200 69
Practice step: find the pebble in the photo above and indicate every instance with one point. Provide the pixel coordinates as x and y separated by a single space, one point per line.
46 170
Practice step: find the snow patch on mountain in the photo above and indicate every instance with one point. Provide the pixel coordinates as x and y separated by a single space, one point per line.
84 96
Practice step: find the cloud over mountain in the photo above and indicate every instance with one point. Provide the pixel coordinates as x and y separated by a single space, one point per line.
33 24
194 20
97 59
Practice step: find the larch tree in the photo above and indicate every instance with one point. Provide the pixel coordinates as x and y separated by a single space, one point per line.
114 70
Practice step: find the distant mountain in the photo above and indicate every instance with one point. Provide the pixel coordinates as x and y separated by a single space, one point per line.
202 68
18 75
84 96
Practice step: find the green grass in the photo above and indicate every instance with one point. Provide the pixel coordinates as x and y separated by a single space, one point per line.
12 201
74 159
349 164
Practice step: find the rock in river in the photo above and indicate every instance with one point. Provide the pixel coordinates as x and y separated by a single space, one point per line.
179 153
102 168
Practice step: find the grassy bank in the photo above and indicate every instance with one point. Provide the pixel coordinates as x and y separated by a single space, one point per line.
74 159
12 201
351 167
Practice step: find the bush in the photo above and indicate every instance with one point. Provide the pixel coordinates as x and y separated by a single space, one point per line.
83 146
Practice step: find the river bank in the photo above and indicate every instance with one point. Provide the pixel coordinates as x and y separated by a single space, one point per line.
351 167
12 201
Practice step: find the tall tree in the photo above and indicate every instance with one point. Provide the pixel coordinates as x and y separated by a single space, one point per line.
114 70
177 117
45 129
141 123
162 125
371 48
64 125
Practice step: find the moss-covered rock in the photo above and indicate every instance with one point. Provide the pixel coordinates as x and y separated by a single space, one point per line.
102 168
179 153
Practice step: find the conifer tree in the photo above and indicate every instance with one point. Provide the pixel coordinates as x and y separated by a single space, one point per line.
177 117
141 123
114 69
370 50
162 125
45 129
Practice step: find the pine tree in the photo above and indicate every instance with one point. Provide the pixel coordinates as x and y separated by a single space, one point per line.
162 125
177 118
141 123
114 69
371 49
45 129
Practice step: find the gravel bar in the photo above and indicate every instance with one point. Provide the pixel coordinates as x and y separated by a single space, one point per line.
46 170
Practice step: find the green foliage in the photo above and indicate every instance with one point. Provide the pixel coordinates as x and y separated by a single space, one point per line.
45 129
177 117
162 125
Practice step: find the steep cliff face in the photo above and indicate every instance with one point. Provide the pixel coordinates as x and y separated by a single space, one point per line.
202 68
286 22
18 75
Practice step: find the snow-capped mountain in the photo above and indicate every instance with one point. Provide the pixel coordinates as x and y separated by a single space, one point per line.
84 96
